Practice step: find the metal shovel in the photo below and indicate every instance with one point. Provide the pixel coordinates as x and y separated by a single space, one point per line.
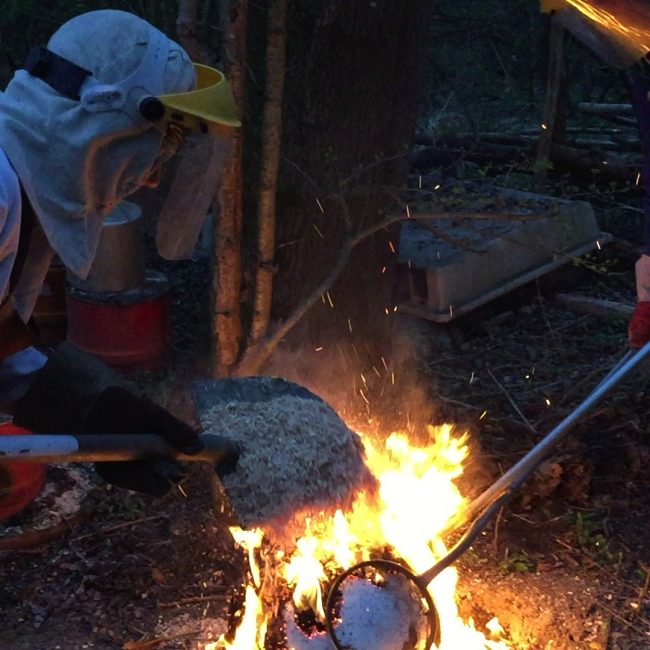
207 394
482 510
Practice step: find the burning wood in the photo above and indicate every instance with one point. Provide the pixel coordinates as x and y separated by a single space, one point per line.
417 497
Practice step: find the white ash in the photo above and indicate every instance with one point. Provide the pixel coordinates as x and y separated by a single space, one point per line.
66 487
298 457
381 617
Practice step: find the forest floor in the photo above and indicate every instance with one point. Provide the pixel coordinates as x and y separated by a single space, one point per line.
566 565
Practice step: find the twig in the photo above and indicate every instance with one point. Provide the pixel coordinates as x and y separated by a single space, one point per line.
33 538
524 419
194 599
626 623
124 524
148 644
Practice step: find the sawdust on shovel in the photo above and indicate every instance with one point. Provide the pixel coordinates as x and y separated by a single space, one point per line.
298 459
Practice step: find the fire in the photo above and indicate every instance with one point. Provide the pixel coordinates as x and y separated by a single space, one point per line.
417 498
626 21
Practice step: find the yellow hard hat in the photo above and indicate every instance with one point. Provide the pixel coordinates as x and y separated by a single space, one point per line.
208 109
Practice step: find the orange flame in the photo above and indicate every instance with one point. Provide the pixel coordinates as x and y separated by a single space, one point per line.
417 498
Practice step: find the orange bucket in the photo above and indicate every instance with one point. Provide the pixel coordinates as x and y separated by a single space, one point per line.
20 483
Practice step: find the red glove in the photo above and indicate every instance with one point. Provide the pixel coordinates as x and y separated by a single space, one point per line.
638 329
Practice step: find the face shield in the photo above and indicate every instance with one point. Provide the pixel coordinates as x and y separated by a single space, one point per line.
187 173
183 187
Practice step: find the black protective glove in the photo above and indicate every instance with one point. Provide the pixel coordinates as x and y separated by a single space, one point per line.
117 410
75 393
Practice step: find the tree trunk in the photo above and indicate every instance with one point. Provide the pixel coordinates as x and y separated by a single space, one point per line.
187 31
271 147
351 99
553 121
227 273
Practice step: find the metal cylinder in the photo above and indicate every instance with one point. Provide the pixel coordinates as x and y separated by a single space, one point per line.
130 330
119 261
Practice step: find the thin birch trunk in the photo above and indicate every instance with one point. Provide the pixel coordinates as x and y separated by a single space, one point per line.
271 147
187 30
227 280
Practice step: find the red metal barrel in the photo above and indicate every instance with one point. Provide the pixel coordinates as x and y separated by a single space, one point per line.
129 330
20 483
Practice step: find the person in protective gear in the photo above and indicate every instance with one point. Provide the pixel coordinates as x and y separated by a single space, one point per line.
97 114
614 31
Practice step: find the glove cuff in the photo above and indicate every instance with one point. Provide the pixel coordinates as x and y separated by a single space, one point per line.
64 392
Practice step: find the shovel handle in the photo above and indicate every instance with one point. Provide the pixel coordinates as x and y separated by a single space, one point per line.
50 448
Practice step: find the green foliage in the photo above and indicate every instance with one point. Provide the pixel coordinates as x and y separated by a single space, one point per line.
518 562
592 536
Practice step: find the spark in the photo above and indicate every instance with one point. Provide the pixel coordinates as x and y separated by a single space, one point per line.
548 401
638 178
322 297
392 248
451 311
318 349
471 379
350 325
409 264
392 377
376 371
181 490
483 415
438 254
395 308
544 127
600 248
329 298
365 399
383 270
386 310
419 182
320 234
384 363
408 212
320 205
437 187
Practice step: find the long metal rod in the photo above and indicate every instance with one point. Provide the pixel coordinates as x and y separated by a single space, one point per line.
52 448
519 472
500 492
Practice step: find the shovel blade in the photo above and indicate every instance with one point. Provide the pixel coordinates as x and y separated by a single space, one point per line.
209 393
